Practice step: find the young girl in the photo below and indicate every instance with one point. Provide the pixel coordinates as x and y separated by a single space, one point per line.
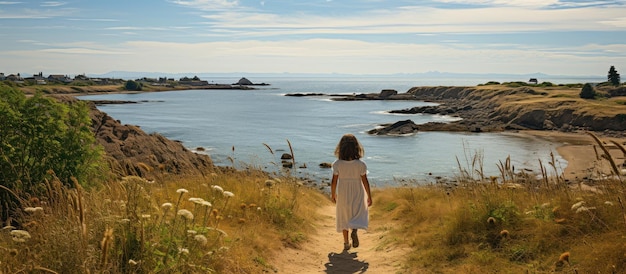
348 189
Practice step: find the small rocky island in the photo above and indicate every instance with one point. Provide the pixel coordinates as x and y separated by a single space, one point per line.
245 82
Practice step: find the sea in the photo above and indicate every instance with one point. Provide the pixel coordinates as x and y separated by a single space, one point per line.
253 128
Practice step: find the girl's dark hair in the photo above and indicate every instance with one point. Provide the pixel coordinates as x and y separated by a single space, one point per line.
349 148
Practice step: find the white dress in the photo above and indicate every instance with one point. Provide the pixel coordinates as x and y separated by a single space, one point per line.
352 211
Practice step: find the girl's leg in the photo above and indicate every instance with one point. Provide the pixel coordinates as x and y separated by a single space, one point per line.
355 238
346 243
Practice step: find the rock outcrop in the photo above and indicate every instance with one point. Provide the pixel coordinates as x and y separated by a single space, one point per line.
496 109
398 128
131 151
245 82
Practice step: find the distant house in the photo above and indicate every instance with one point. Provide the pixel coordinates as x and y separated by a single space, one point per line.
81 77
59 78
39 79
194 83
533 81
15 78
2 77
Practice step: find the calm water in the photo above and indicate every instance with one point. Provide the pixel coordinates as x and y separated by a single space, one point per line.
220 120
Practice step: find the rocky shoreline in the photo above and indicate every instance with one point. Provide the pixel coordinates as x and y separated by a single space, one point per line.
131 151
495 109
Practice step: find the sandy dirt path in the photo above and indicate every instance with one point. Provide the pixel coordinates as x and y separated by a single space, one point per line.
323 252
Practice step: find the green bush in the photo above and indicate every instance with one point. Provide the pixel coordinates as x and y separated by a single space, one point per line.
587 92
132 85
41 138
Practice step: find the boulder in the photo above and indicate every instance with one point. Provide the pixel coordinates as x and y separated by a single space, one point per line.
386 93
397 128
326 165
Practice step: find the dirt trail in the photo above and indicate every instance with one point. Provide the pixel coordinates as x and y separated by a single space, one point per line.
323 253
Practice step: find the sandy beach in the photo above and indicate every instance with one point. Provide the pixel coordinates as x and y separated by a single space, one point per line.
582 153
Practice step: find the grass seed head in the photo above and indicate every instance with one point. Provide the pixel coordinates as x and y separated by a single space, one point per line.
504 233
564 257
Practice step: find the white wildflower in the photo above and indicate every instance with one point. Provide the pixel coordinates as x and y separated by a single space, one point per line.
609 203
191 232
207 204
125 221
9 227
166 206
182 250
200 239
545 205
186 214
258 209
228 194
182 190
38 208
145 216
132 262
218 188
20 235
577 205
30 209
584 209
196 200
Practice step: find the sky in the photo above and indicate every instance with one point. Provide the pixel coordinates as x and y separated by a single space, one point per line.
557 37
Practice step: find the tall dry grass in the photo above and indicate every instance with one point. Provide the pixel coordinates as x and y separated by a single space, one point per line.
227 222
515 223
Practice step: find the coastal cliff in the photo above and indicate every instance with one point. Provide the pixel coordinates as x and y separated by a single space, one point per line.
131 151
497 108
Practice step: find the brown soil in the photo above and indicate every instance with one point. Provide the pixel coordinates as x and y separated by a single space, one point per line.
323 252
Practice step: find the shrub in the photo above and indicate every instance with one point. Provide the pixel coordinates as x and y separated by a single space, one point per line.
132 85
587 92
39 138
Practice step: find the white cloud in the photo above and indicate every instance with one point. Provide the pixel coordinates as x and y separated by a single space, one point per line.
81 51
53 4
207 5
420 20
519 3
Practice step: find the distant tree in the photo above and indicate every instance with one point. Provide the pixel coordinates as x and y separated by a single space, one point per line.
132 85
613 76
587 92
196 78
